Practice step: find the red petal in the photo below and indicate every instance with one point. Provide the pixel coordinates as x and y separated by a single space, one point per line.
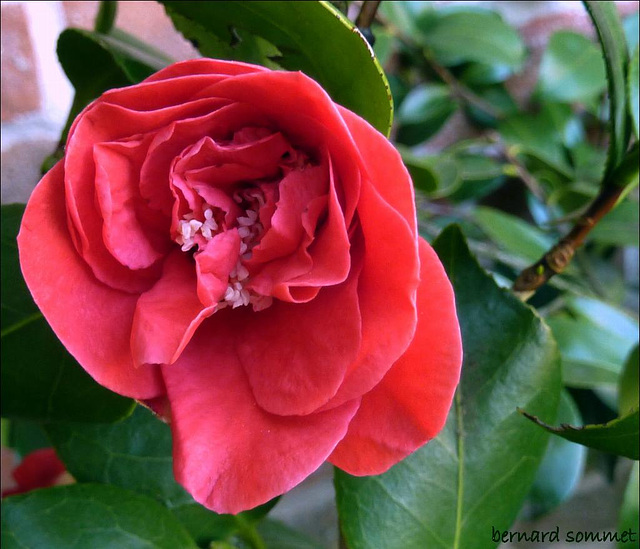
168 314
117 172
411 403
228 453
296 355
92 320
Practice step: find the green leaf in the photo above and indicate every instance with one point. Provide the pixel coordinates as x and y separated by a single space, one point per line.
423 112
26 437
306 36
561 467
619 227
619 436
40 380
17 305
279 536
594 341
628 519
628 383
571 70
136 454
436 176
611 35
89 515
541 135
476 473
512 234
632 91
461 35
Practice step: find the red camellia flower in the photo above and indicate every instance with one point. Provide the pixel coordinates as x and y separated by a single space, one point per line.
226 244
39 469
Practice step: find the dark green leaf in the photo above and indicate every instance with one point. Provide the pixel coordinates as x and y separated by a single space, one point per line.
41 380
17 305
632 82
619 436
629 516
561 467
26 436
136 454
279 536
605 18
497 97
478 470
480 74
460 35
306 36
106 16
571 70
628 383
80 516
423 112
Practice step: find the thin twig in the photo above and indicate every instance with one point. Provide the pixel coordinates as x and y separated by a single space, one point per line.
367 13
556 260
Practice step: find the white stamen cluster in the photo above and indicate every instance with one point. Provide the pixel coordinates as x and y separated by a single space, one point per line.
189 227
249 229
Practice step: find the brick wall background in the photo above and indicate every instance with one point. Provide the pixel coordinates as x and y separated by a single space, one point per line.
35 100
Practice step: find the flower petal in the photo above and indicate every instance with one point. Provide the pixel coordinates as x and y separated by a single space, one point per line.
296 354
168 314
229 453
92 320
410 405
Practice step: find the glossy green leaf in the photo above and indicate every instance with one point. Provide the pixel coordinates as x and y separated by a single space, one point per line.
457 36
572 69
17 305
561 468
619 436
306 36
632 91
423 112
594 341
628 383
611 35
481 74
26 436
478 470
403 14
80 516
40 380
629 516
277 535
136 454
513 234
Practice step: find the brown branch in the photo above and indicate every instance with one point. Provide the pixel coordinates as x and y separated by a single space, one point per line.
556 260
367 13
